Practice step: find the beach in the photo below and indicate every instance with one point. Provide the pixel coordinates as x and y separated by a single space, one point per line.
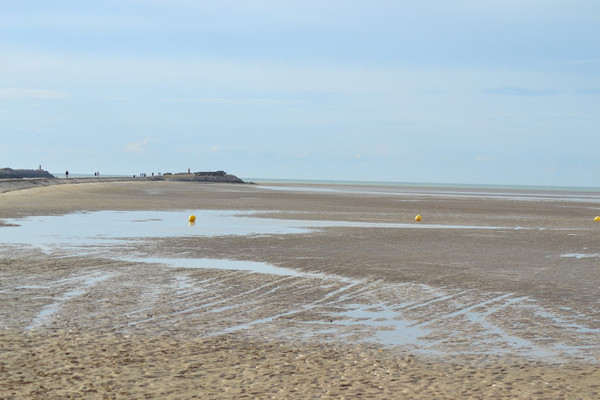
493 294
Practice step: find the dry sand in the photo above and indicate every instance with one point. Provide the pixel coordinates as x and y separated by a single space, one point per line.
374 313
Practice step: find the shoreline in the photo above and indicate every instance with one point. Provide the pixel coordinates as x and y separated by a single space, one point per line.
7 185
429 185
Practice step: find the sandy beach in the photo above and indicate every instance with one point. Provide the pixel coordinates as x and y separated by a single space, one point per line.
494 294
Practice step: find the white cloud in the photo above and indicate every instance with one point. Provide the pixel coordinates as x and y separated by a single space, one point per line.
521 91
588 91
227 101
117 98
305 154
42 94
138 145
80 20
577 63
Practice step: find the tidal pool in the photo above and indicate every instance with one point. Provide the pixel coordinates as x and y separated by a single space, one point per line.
88 232
79 229
106 227
224 264
582 195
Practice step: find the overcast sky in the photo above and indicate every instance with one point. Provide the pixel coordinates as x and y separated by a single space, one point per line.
463 91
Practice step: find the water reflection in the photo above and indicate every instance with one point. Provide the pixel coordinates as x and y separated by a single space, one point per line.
90 228
105 227
223 264
393 322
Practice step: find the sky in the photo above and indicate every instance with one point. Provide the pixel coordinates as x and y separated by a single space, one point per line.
465 91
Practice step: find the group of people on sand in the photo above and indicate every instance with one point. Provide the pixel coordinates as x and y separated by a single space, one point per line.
96 174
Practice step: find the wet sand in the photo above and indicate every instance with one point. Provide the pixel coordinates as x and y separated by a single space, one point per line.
508 312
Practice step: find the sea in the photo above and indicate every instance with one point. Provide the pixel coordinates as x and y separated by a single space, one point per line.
427 184
324 182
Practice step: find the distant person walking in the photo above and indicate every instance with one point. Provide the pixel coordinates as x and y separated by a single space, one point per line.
67 174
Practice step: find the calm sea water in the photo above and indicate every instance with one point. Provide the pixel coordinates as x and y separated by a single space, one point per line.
427 185
376 183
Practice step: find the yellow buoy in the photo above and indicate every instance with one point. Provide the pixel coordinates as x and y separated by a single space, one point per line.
418 218
597 219
192 218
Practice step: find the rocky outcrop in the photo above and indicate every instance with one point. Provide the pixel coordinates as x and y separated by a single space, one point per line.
211 177
9 173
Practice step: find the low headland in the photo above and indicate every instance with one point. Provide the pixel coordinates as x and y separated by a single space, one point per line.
9 173
16 179
211 177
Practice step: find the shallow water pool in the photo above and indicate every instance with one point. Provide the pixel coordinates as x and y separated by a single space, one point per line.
106 227
430 319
